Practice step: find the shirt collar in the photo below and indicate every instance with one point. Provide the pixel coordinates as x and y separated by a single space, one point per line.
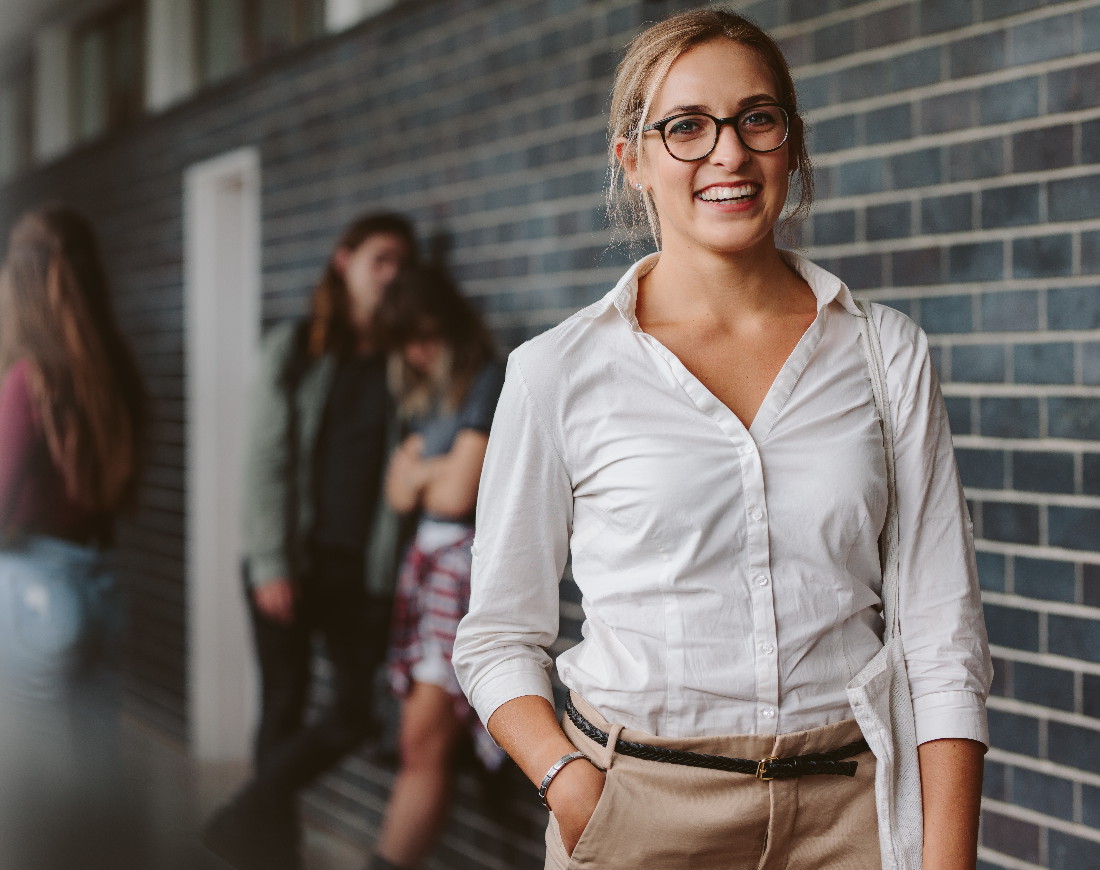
826 286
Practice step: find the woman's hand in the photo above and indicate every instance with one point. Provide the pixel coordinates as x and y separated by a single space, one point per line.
573 796
405 476
276 598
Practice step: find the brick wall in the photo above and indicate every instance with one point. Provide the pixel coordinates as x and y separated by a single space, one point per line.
956 144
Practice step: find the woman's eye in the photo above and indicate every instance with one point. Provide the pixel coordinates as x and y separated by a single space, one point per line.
686 128
759 119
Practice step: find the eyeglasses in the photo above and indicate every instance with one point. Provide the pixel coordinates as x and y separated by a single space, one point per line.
694 135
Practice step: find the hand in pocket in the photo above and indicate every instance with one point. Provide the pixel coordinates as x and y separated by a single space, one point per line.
573 797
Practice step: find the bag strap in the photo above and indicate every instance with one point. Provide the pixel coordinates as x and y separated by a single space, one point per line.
888 542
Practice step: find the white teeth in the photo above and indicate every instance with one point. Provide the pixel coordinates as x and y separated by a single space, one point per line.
714 194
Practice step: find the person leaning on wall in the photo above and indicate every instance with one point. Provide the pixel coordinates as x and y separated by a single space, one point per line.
321 546
73 412
706 443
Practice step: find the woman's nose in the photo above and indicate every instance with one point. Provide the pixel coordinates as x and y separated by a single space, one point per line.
729 151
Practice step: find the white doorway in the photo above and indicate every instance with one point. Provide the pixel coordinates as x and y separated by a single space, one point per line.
222 326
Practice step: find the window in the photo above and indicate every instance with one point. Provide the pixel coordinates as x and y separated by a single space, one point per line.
108 71
16 122
234 34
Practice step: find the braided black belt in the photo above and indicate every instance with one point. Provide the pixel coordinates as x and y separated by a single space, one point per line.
766 768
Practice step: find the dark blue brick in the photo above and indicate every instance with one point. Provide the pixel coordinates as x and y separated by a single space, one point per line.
981 469
1090 141
1009 417
1042 256
915 70
1042 472
1090 29
1074 417
889 124
1090 804
1002 678
1047 794
946 314
1012 523
947 112
1044 39
1050 363
971 160
979 261
1090 706
813 92
1012 627
835 40
1090 464
939 15
991 571
916 168
862 176
1010 206
1048 687
1076 638
1010 836
1090 252
1074 527
801 10
922 266
1074 199
1067 852
890 221
960 416
977 363
947 214
977 54
833 135
1072 89
994 784
905 306
1013 311
1043 578
865 80
889 26
1074 746
999 8
1009 101
1048 148
861 271
1073 308
1090 363
834 227
1014 733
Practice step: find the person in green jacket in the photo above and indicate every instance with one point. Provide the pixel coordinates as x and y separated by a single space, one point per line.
321 545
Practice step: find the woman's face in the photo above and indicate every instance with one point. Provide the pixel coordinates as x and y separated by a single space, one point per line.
367 269
424 352
729 201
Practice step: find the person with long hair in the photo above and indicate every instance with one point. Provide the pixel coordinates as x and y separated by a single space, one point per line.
72 420
705 443
444 374
321 547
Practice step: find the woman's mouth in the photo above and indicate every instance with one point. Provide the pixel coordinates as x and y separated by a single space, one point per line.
728 192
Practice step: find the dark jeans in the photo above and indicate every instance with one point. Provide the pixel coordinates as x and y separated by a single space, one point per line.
290 752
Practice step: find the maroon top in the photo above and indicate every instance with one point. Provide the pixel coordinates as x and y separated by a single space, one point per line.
33 499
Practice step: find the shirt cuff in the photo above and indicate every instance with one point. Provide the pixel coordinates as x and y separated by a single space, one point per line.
508 680
955 715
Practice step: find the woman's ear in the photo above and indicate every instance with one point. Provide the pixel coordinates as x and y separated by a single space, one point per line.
340 259
627 156
794 144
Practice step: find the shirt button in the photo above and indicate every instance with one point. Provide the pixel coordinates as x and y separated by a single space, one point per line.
747 450
767 713
767 647
762 580
756 513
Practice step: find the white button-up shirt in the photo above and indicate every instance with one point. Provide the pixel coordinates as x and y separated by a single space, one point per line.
730 576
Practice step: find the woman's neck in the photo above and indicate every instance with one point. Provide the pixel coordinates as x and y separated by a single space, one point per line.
698 284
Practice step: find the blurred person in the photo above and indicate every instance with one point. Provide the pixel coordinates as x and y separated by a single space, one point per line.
72 424
446 379
705 443
321 547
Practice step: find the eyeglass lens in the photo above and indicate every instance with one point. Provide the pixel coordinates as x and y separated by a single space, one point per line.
691 137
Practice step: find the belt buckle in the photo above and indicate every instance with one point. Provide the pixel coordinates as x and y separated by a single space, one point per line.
762 768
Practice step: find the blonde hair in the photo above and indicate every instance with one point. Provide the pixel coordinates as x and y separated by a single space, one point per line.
640 74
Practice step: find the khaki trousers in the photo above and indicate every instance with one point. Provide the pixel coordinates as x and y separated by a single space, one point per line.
662 816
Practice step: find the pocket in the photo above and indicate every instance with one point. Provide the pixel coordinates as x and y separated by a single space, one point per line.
587 852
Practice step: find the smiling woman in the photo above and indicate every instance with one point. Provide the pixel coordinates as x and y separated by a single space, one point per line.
706 445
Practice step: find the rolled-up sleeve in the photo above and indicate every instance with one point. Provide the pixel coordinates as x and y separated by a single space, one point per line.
942 627
524 519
